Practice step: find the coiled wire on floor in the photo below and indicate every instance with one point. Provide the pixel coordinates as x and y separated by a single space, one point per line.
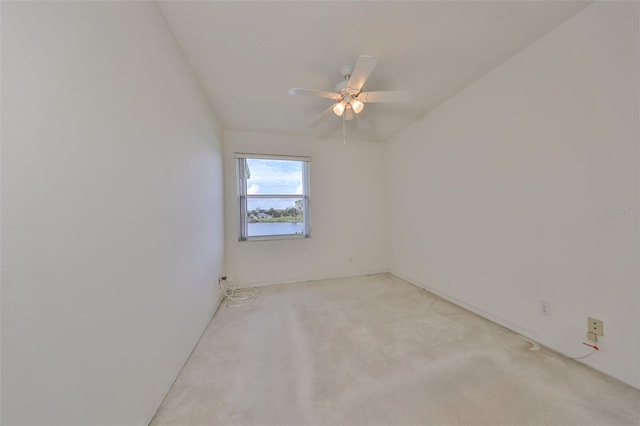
236 296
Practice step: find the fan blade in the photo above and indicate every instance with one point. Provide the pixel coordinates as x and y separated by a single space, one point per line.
312 92
322 115
361 72
391 96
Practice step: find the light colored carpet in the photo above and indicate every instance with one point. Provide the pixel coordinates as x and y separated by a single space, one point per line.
376 350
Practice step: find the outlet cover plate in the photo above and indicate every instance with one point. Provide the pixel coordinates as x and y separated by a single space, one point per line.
595 326
545 308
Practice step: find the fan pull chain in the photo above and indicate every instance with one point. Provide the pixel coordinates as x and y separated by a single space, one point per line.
344 130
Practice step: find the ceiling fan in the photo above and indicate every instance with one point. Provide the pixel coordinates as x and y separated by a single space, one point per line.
349 97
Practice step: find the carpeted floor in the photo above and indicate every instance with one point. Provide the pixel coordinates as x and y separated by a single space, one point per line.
375 350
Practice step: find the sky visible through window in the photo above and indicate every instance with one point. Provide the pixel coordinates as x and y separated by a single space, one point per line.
273 177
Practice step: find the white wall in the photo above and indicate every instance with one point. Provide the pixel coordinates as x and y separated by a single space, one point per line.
510 182
112 219
347 212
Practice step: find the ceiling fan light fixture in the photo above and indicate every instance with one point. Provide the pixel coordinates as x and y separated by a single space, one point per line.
348 113
348 97
357 106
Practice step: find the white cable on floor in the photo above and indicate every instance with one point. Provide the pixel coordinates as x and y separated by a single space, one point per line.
237 296
583 357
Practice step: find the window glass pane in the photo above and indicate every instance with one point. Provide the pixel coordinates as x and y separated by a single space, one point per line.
274 177
274 216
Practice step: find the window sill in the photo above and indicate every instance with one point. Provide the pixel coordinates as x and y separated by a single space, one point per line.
276 238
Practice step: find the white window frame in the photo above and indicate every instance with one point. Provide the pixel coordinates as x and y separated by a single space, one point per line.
243 197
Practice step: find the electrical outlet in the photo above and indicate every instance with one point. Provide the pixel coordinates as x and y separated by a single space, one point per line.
595 326
545 308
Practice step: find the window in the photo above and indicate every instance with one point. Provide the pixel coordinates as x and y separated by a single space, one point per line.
274 196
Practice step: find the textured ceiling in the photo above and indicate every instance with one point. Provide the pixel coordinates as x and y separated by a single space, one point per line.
247 55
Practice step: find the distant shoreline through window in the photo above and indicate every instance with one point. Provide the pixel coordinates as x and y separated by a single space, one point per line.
273 193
